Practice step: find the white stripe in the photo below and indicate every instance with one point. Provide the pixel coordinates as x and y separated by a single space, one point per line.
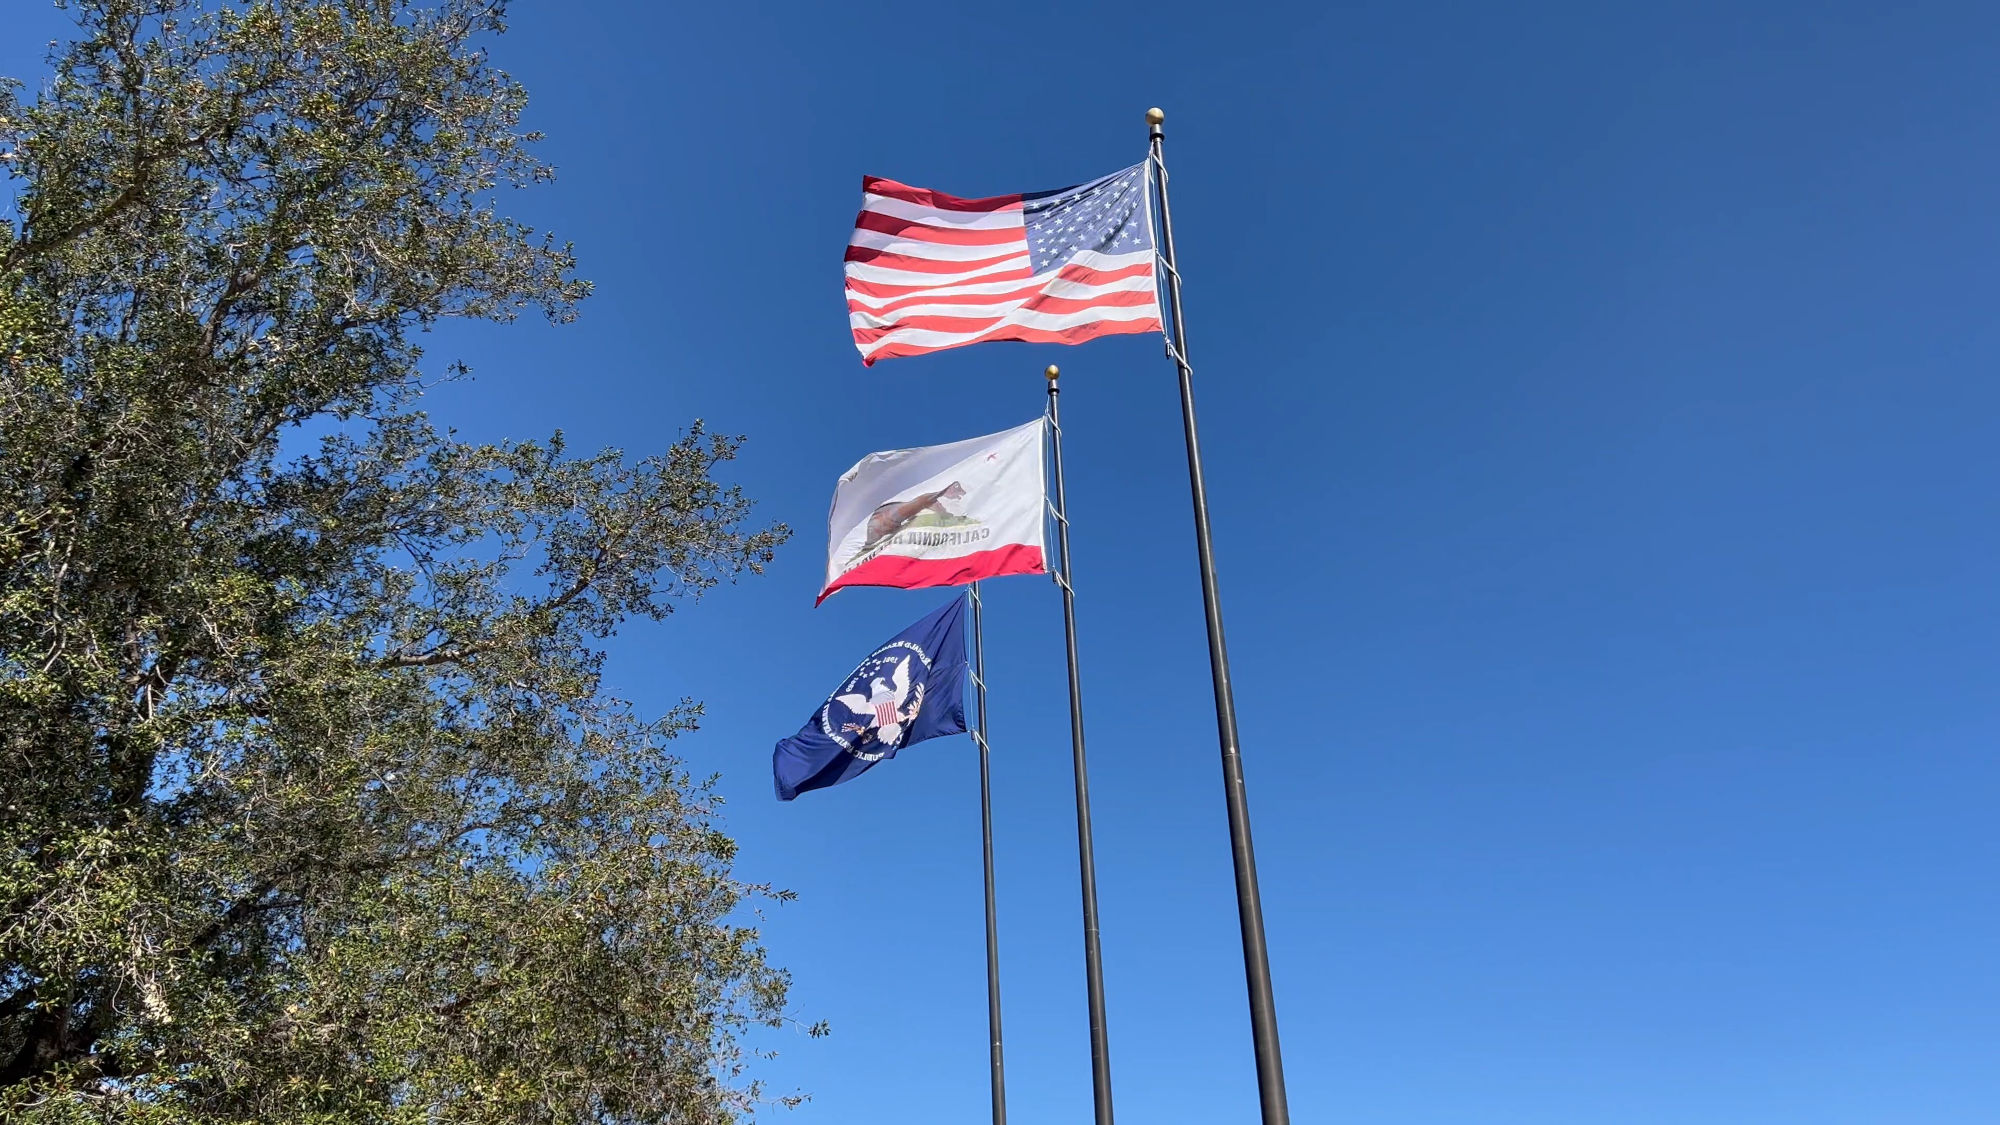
1011 219
978 289
1083 290
970 312
935 251
1092 260
861 271
1051 322
1068 290
1107 263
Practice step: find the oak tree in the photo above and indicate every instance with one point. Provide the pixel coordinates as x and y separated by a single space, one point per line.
314 807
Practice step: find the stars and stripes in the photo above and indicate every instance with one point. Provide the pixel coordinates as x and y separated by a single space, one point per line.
928 271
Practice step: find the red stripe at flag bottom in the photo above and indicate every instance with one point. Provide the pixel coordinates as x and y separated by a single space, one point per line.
915 574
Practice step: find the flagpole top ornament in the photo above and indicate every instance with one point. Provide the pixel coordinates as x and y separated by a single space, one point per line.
1052 372
1156 117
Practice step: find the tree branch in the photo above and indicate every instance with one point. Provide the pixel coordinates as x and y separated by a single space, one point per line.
19 999
451 652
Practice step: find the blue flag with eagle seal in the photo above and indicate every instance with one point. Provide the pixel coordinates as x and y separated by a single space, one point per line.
909 689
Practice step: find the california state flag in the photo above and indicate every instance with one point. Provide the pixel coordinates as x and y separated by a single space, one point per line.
941 515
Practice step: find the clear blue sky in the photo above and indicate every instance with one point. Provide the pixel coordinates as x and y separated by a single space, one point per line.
1600 409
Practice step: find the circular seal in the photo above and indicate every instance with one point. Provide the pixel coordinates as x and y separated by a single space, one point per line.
871 715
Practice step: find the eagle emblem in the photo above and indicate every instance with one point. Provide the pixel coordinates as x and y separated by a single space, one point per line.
880 700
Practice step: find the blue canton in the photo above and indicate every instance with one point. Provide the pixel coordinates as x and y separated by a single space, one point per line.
1107 216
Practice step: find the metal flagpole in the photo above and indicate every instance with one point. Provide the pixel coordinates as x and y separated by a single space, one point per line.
999 1081
1093 961
1249 907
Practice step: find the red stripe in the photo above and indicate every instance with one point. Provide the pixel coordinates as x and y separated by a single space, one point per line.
1088 276
1121 298
927 297
937 200
934 323
889 259
918 294
923 232
907 573
942 322
1077 335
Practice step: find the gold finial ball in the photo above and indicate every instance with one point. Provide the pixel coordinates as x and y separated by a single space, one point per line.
1052 372
1155 115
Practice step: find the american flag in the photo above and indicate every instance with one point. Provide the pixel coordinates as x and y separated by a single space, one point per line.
928 271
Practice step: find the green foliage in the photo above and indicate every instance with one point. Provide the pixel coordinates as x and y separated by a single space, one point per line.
314 810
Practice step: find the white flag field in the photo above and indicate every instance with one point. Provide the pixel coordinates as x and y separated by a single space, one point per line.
940 515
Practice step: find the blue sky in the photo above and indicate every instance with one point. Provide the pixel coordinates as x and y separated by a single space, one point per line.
1599 407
